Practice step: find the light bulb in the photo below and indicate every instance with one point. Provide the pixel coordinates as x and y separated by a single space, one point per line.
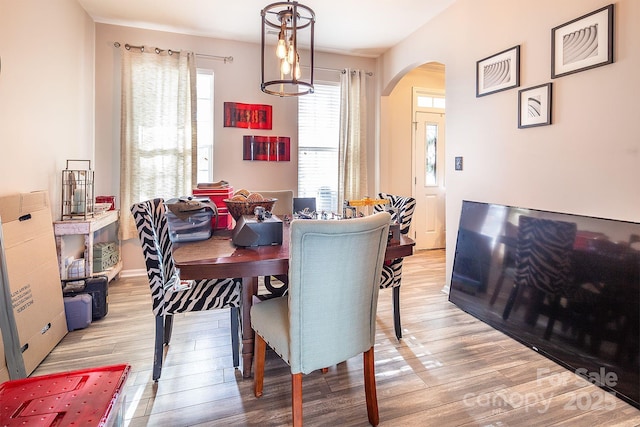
297 72
285 67
291 52
281 49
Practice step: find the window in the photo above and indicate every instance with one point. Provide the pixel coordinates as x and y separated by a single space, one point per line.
430 149
205 125
318 135
428 101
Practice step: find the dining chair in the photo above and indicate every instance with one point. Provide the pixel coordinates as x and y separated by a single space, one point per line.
168 294
284 206
401 209
329 314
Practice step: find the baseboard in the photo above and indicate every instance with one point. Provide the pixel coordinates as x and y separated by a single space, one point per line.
133 273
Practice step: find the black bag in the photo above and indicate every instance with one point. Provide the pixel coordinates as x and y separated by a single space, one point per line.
96 286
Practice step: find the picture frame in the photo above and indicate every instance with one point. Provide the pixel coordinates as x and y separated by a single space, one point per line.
247 116
534 106
498 72
583 43
266 148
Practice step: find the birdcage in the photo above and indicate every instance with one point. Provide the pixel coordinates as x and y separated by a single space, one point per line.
77 190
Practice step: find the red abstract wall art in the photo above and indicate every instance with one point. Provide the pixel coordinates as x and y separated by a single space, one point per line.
247 116
267 148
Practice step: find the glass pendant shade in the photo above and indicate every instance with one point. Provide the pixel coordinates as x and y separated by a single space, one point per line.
281 69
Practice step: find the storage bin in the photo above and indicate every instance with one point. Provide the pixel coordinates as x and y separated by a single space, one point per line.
97 287
196 226
217 196
104 248
78 311
105 261
87 397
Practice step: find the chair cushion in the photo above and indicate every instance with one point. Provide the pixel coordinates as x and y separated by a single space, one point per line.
270 320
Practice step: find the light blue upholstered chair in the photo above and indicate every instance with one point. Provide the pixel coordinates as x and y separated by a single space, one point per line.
153 230
329 314
402 212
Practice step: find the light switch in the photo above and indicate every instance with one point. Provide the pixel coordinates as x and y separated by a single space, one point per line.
459 163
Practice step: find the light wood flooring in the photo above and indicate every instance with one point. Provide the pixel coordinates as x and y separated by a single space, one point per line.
449 369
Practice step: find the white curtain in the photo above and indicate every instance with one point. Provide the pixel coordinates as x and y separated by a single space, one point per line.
158 129
352 149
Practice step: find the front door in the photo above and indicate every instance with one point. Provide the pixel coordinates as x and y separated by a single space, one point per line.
429 188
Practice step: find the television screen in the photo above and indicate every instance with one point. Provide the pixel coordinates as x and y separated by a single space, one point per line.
568 286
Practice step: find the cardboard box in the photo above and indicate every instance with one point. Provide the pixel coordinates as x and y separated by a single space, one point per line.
33 276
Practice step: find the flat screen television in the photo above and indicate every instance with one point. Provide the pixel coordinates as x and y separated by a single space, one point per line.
567 286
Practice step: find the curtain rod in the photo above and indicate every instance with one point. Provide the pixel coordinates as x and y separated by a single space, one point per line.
337 70
170 51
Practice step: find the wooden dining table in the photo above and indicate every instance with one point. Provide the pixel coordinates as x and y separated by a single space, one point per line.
218 258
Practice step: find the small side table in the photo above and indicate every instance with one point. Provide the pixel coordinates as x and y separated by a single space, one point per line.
106 223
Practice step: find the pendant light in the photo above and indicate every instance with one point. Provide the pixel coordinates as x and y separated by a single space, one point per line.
293 24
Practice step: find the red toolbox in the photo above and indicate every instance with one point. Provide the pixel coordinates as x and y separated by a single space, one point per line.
217 195
87 397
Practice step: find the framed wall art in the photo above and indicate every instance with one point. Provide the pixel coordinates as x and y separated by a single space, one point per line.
247 116
266 148
583 43
534 106
498 72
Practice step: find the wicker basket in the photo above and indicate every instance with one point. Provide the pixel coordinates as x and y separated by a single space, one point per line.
237 208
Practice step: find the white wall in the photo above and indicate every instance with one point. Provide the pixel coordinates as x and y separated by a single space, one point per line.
587 162
238 81
46 93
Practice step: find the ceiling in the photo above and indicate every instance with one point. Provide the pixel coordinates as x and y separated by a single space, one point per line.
354 27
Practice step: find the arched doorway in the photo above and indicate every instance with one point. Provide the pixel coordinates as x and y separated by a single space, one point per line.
412 154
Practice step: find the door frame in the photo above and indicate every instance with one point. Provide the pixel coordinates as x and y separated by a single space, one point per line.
416 93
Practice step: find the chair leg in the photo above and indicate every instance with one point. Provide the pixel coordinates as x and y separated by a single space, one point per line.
235 335
258 369
396 312
296 398
168 328
158 348
370 387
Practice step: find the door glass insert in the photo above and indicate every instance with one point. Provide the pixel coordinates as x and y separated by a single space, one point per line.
431 147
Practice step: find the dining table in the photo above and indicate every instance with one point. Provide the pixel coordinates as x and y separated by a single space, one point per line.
218 258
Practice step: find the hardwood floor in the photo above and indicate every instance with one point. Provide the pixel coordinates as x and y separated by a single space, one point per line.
449 369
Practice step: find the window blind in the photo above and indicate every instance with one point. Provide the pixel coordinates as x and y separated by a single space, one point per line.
318 135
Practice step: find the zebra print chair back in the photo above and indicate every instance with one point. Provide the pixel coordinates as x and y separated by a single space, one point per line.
401 210
153 230
167 294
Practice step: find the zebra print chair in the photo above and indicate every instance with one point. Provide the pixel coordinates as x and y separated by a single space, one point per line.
402 209
152 226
